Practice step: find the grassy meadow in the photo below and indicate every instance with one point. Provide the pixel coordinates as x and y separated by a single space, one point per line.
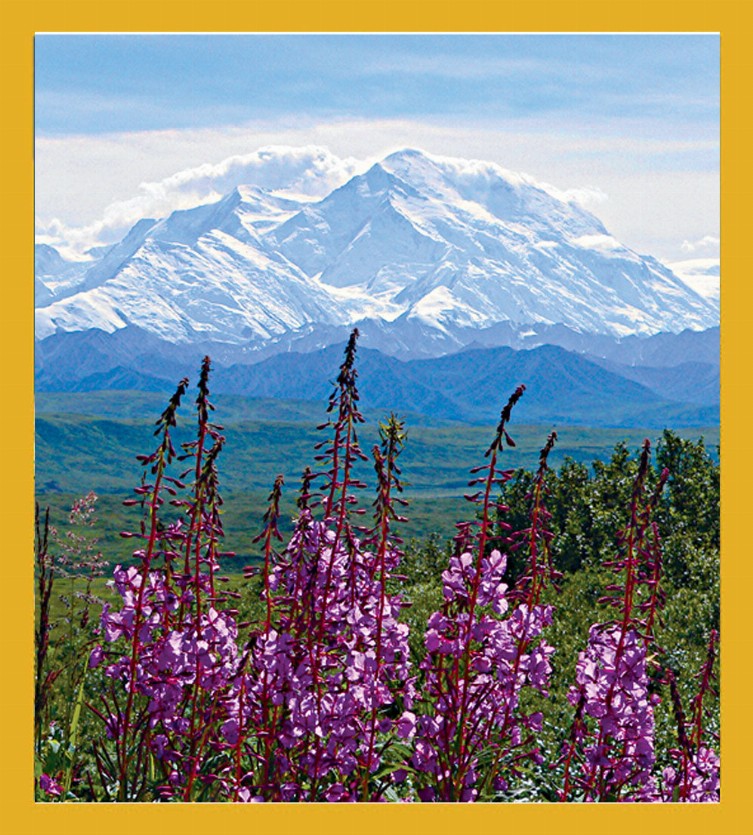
90 440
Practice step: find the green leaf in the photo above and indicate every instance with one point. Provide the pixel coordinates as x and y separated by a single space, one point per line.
73 735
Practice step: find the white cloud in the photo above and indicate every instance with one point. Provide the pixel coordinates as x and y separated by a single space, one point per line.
700 274
590 197
306 171
312 171
707 245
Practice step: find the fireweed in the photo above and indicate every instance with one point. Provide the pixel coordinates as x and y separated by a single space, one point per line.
172 650
317 699
329 669
483 648
610 755
694 777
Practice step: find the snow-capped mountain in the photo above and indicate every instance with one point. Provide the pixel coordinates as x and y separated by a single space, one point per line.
424 247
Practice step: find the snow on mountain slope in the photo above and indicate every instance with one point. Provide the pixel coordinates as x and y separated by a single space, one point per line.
54 274
446 243
470 244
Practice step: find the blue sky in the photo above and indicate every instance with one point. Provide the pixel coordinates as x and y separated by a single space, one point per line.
634 118
94 84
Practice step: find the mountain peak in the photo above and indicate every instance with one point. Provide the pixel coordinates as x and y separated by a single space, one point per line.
406 155
445 246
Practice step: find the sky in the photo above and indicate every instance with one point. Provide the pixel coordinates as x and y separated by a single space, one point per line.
129 126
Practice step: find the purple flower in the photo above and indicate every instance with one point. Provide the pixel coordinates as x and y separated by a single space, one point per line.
473 695
337 793
406 725
700 784
50 786
612 682
96 656
159 745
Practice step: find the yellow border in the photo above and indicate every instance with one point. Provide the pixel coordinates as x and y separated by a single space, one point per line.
21 19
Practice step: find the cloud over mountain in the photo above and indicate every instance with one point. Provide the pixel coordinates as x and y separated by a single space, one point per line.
309 171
